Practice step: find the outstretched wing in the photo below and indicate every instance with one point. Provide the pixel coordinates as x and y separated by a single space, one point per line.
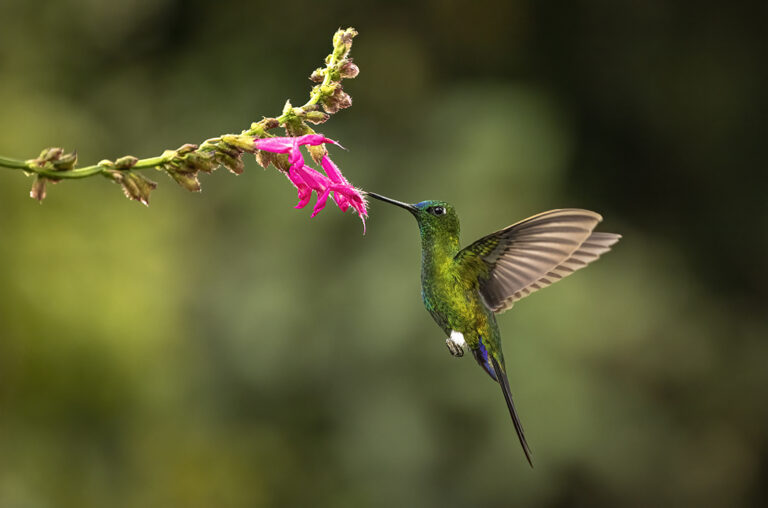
533 253
593 247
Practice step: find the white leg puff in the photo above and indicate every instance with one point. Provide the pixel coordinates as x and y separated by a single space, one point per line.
456 343
458 338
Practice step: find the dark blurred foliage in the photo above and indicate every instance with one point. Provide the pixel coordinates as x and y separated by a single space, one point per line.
223 349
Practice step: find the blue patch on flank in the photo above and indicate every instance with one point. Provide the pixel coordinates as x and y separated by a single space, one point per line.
485 362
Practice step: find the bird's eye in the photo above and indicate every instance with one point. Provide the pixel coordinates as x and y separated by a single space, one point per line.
438 210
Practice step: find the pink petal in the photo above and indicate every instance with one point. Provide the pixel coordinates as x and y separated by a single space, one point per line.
315 139
274 145
305 193
341 201
296 159
321 200
332 170
351 197
285 144
315 180
303 200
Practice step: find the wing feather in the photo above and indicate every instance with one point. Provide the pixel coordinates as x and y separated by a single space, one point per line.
534 253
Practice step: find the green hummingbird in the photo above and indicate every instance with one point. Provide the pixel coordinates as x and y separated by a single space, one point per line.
463 289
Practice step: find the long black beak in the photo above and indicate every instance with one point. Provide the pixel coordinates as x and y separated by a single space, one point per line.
408 207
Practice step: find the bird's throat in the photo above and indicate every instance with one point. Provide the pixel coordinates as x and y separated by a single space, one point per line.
437 252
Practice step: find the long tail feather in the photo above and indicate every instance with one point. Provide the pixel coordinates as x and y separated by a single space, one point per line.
504 383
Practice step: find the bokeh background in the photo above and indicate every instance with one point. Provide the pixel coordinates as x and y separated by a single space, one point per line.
224 349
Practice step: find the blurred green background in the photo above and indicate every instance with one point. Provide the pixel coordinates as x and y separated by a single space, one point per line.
223 349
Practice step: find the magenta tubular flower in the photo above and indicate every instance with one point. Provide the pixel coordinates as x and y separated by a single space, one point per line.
286 144
306 179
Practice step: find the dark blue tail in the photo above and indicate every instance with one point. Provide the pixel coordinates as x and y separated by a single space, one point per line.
481 355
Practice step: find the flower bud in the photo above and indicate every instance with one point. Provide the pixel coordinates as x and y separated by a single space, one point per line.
317 117
188 180
339 99
342 42
50 154
186 148
318 75
263 158
259 128
347 36
66 162
199 161
240 142
126 162
317 152
234 163
134 185
38 189
270 123
297 128
345 100
281 161
348 70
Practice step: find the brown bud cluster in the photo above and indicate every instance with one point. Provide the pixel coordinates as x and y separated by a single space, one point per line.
188 180
230 157
55 159
338 99
38 189
348 70
50 159
126 162
135 186
278 160
317 117
342 42
317 75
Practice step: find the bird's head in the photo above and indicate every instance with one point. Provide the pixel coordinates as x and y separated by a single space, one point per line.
434 217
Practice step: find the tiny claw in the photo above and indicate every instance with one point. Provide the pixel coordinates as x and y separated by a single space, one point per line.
454 348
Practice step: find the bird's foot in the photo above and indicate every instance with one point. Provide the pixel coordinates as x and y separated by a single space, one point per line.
454 348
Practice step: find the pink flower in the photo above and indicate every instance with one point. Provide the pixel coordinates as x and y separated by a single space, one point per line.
306 179
286 144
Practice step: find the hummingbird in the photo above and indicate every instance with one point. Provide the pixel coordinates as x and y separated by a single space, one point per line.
464 289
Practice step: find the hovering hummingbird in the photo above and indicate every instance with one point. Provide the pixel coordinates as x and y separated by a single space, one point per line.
463 289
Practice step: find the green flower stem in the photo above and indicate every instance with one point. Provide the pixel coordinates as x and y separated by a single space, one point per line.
12 163
184 163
